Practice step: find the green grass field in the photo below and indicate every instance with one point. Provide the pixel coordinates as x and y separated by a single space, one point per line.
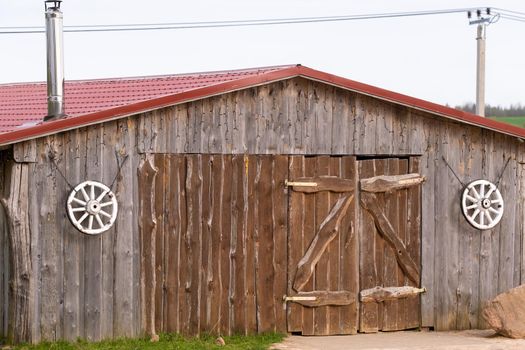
166 342
517 121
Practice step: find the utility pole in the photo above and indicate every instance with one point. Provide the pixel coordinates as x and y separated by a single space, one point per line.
480 70
482 23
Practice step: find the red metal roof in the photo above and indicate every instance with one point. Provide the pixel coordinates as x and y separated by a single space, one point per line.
23 106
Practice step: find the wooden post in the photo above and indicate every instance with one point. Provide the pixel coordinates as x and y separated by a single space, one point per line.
15 202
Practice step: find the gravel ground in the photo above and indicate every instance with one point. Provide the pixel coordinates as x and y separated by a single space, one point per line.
409 340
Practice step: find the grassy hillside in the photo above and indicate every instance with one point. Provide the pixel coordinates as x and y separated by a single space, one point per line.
518 121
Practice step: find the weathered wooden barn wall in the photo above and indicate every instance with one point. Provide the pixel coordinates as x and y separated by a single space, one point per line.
462 267
84 286
90 286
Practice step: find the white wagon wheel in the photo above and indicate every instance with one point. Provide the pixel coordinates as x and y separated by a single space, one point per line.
482 204
92 207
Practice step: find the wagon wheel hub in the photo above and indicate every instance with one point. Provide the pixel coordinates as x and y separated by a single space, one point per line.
482 204
93 207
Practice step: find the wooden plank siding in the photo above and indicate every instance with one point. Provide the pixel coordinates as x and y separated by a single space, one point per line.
219 267
89 287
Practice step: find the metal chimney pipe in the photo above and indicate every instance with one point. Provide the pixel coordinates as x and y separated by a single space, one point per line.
55 61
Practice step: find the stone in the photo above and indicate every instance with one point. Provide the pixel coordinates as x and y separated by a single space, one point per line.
220 341
506 313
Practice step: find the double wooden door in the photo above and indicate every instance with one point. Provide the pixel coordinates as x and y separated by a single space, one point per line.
353 245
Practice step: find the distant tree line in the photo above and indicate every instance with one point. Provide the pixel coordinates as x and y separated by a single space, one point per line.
517 110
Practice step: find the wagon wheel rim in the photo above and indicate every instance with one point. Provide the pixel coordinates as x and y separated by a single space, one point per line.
482 204
92 207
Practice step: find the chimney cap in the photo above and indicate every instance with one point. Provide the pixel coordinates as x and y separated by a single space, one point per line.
55 4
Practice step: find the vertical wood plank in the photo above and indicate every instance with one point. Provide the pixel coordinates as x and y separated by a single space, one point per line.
15 202
349 269
322 111
159 200
250 166
413 243
446 240
216 234
296 212
74 250
334 254
196 237
421 129
224 247
384 114
146 182
265 269
506 226
126 301
173 247
470 169
322 208
310 225
368 271
93 244
207 258
52 288
384 260
109 172
280 224
238 229
489 246
402 228
343 126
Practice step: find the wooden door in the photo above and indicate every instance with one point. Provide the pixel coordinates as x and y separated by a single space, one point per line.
389 242
322 246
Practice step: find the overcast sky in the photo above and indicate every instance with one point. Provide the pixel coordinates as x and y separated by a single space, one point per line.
431 57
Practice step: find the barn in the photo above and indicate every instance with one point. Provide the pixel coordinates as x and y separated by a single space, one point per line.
271 199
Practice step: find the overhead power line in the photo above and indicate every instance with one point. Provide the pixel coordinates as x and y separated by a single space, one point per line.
508 14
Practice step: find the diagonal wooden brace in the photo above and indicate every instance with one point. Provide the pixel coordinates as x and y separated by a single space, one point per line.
327 232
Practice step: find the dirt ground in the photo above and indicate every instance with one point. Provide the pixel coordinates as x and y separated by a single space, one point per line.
410 340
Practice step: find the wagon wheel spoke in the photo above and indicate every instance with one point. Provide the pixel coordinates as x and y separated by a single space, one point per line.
476 194
491 190
472 199
84 193
90 225
99 198
104 213
494 210
487 214
75 199
83 217
99 221
482 191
